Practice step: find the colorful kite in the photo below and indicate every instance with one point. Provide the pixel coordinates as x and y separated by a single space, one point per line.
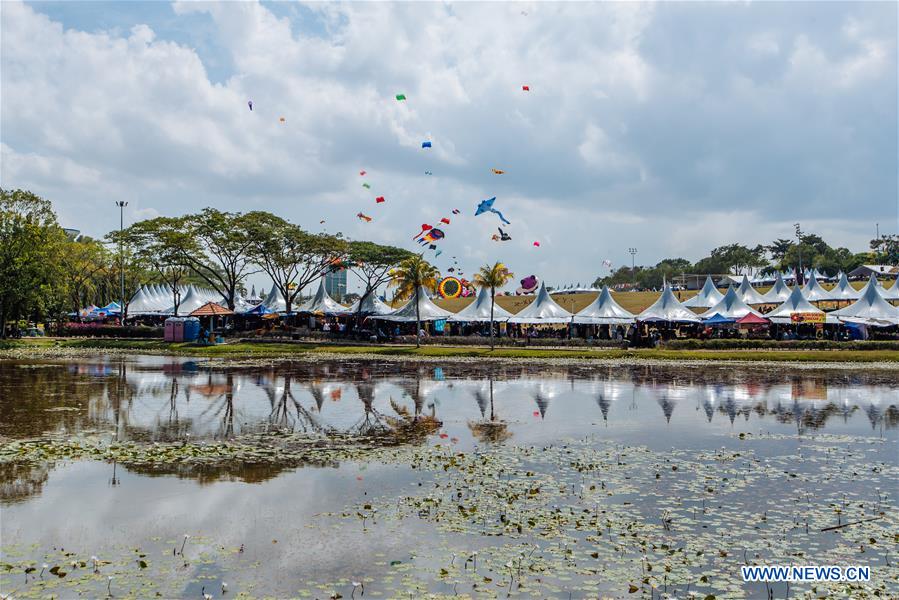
366 186
282 119
537 244
445 221
432 235
362 173
502 237
449 287
438 253
379 199
250 104
426 144
456 211
424 227
497 171
526 88
487 206
400 97
363 217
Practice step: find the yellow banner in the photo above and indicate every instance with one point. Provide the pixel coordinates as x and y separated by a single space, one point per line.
807 317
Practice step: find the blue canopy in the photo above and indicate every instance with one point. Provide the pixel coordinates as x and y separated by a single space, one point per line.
259 309
717 319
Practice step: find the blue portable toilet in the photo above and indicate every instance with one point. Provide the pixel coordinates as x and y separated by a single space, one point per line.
191 329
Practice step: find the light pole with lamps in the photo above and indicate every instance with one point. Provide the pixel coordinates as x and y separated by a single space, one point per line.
633 252
121 204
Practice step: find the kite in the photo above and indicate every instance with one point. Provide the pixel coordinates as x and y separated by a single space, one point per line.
528 285
537 244
456 211
250 104
607 263
449 287
445 221
282 119
400 97
451 270
487 206
497 171
426 144
424 228
362 173
366 186
438 253
502 237
432 235
322 222
432 246
428 173
379 199
526 88
364 217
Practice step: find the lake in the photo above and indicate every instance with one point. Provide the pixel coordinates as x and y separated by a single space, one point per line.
400 479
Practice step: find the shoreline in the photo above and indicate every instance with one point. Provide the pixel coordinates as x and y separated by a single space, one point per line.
240 352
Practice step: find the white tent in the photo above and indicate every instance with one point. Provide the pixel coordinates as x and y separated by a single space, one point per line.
796 303
731 306
870 309
143 303
542 310
605 311
748 294
190 301
275 301
892 292
844 291
813 291
322 303
427 310
668 308
371 305
778 292
708 296
479 310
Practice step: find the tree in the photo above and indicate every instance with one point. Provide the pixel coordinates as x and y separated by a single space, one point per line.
161 243
492 277
292 257
779 248
886 250
372 264
408 278
30 244
84 262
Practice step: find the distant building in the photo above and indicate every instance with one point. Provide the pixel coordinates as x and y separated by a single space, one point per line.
865 271
335 284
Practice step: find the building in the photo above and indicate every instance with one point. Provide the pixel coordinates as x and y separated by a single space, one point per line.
335 284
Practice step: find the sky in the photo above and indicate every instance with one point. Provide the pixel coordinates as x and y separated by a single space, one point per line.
671 128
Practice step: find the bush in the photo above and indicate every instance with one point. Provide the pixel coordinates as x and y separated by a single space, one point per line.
734 344
109 331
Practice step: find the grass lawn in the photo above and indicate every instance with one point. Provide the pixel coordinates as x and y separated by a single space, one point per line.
288 349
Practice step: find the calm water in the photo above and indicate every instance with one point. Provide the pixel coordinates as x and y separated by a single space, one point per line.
273 530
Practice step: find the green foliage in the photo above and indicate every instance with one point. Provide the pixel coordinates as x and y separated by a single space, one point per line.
409 277
372 263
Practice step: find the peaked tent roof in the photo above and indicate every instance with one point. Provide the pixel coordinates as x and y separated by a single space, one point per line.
322 303
844 291
427 310
813 291
479 310
731 306
892 292
142 303
542 310
796 303
274 302
605 311
372 305
870 309
707 297
748 294
190 302
668 308
779 292
718 319
751 319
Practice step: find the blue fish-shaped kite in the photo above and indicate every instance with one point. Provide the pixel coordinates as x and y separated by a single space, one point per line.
426 144
487 206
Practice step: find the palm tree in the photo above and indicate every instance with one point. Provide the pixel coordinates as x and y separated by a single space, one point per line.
493 277
408 278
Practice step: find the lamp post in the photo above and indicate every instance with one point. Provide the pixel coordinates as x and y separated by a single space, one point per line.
633 252
121 204
800 279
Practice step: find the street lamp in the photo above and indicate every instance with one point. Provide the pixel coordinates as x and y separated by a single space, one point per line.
121 204
800 279
633 252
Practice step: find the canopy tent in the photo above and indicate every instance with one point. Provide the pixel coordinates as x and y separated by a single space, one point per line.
748 294
844 291
371 305
211 309
731 306
751 319
427 310
605 311
707 297
813 291
542 310
668 308
719 319
479 310
253 298
274 302
190 302
258 310
892 292
870 309
796 303
322 303
778 292
113 308
143 303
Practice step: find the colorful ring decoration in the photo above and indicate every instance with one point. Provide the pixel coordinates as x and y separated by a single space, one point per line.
449 287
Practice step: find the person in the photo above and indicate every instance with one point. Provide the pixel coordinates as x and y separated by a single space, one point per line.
326 327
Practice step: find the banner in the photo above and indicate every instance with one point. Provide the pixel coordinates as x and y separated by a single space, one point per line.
807 317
